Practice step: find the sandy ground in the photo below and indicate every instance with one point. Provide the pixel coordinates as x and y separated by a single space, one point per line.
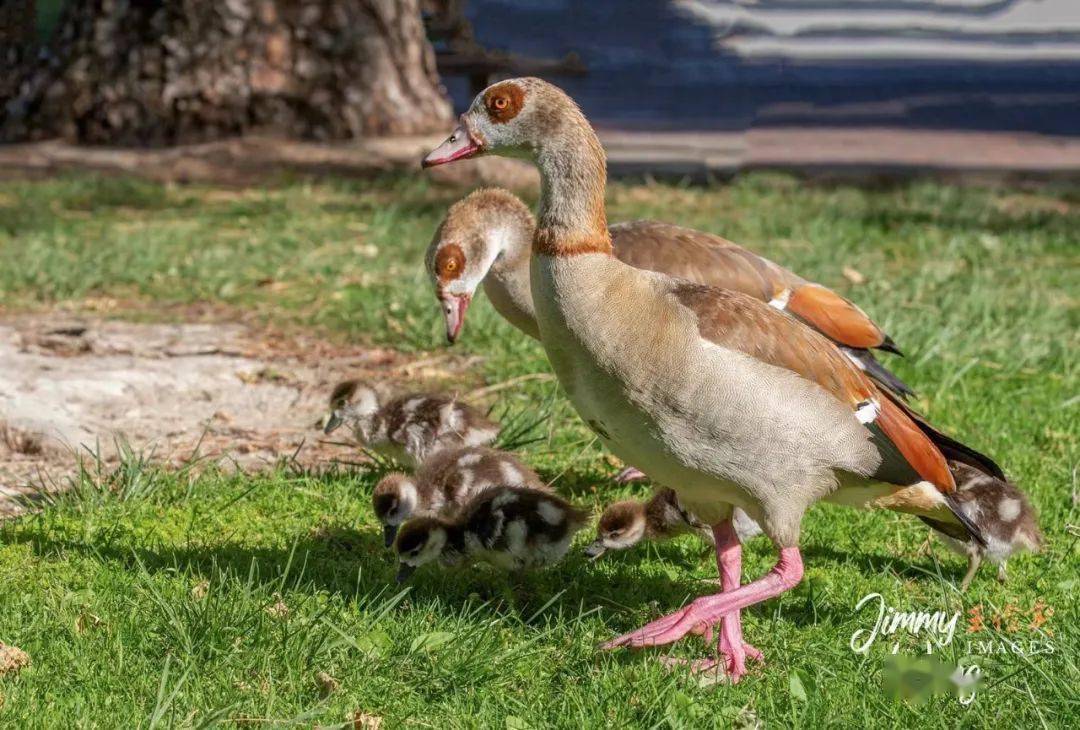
242 397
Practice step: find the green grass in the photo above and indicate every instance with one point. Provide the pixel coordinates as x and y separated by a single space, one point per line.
154 598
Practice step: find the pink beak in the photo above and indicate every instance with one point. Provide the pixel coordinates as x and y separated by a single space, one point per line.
454 307
458 146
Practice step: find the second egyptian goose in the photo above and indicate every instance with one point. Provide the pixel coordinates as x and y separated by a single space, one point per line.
485 239
709 391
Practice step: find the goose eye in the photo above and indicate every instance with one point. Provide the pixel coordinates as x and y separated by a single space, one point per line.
451 265
500 103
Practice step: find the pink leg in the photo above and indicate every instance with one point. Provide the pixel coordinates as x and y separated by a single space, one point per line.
707 610
733 650
630 474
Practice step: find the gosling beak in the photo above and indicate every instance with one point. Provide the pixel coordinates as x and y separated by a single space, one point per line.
404 571
595 550
458 146
454 307
389 532
332 423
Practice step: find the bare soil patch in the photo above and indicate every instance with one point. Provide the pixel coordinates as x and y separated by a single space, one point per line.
254 160
74 387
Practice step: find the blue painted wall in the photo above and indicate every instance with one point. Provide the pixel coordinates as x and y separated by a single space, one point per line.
653 67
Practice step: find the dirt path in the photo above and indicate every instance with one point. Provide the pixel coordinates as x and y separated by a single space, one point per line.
79 386
855 153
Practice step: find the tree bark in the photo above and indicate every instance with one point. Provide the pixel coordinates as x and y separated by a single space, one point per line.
18 39
159 72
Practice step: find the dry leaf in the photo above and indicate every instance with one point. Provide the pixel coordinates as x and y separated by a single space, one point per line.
364 721
12 659
853 275
87 621
327 684
199 591
278 609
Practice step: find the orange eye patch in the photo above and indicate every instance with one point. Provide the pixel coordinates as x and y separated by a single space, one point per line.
504 101
449 262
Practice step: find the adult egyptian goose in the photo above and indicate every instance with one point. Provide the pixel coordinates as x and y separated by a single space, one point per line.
410 427
444 483
513 528
486 237
624 524
709 391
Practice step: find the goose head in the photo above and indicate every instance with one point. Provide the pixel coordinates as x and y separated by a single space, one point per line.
488 232
622 525
353 401
420 541
536 121
394 500
511 118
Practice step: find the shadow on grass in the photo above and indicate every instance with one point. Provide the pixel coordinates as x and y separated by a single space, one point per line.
354 563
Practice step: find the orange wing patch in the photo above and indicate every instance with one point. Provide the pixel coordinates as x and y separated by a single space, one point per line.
919 451
742 323
835 317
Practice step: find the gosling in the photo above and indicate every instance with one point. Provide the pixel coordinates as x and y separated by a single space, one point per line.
662 517
445 483
512 528
408 428
1003 513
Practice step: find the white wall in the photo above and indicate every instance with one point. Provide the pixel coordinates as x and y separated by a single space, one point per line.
995 30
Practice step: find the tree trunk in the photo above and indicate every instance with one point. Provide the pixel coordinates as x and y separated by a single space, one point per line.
157 72
18 39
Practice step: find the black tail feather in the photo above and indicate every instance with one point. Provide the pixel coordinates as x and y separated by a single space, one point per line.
952 449
971 527
956 451
957 532
888 345
882 375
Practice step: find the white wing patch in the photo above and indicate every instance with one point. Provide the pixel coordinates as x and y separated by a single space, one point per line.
480 436
470 459
510 473
868 411
504 498
1009 509
549 513
780 301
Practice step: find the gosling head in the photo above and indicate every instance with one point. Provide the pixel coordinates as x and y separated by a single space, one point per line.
419 541
351 400
394 501
476 231
622 525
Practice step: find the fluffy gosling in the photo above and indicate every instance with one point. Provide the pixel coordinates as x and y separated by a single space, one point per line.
512 528
408 428
662 517
445 483
1002 512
